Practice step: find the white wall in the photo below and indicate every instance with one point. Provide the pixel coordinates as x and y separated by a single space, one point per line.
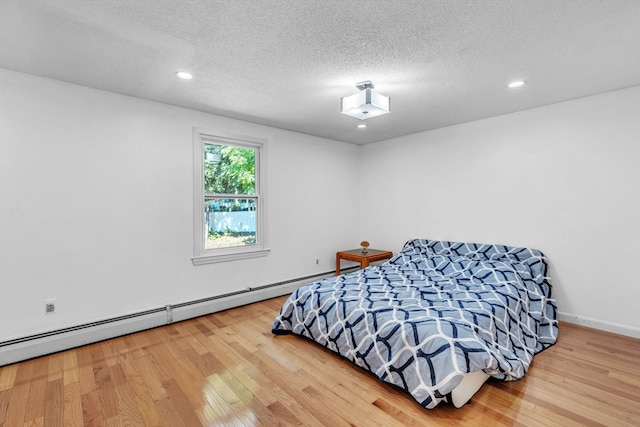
564 178
96 205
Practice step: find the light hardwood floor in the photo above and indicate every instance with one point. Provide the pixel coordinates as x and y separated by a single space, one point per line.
227 369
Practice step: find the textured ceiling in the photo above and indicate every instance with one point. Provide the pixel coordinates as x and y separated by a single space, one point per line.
286 63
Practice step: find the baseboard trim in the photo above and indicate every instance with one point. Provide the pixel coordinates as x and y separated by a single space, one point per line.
28 347
616 328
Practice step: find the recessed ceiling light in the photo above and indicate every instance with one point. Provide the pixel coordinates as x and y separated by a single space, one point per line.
184 75
362 126
516 84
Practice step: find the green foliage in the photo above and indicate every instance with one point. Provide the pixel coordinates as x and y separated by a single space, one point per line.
234 174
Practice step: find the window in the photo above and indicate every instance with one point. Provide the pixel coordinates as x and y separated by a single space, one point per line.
229 197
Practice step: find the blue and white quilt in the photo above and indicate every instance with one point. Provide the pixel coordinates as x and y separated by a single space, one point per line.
433 312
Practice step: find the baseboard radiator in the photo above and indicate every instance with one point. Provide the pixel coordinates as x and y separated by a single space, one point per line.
19 349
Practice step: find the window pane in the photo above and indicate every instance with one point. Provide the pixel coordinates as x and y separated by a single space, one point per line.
229 169
229 222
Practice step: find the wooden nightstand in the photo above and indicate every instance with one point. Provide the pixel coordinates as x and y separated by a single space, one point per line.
364 259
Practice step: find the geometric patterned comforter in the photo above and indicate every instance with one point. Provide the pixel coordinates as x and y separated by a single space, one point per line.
431 313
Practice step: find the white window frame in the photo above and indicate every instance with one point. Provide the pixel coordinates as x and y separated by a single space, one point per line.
202 255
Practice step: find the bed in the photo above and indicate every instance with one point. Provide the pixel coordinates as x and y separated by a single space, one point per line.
436 320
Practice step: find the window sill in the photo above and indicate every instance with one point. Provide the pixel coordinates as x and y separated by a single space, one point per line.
211 259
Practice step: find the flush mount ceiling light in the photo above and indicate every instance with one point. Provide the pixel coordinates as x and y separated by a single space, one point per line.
366 103
516 84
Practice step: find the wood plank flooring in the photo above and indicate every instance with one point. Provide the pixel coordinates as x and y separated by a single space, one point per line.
227 369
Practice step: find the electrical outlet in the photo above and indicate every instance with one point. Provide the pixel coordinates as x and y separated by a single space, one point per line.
50 306
317 261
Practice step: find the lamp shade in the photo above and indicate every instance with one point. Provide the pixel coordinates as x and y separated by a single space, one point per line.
365 104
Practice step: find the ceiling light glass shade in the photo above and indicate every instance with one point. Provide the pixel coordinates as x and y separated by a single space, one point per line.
365 104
